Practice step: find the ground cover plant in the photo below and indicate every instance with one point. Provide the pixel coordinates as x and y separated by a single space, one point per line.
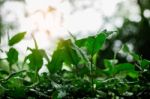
73 72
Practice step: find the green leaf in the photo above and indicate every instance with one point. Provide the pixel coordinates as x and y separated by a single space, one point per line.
2 71
44 54
125 48
65 53
12 56
16 88
135 56
2 90
124 67
70 54
133 74
109 64
16 38
93 43
36 59
56 63
145 63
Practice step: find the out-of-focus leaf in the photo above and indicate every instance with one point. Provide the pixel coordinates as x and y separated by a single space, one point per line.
144 63
3 72
55 95
135 56
2 90
32 76
17 90
64 53
56 63
43 53
109 64
124 67
93 43
125 48
36 59
16 38
133 74
70 54
12 56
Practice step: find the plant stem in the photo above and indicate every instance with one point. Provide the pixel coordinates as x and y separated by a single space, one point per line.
40 93
10 68
12 75
91 76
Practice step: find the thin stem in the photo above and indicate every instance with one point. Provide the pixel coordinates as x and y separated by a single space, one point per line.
10 68
115 55
12 75
8 36
18 66
37 82
35 42
40 93
91 76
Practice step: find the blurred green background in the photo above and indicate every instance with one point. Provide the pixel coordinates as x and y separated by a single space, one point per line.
131 18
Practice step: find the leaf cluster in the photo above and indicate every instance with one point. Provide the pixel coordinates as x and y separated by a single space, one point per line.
72 72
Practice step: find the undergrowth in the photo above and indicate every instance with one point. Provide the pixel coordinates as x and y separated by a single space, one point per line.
73 72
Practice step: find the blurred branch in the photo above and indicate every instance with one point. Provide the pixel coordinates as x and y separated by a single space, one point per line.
12 75
141 8
39 93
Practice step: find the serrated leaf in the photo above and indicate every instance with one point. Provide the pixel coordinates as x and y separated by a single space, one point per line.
16 38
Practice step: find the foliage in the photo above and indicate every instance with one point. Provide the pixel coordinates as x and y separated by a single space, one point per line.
73 72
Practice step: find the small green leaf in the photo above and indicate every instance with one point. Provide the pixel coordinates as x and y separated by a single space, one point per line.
135 56
12 56
16 38
125 48
109 64
133 74
145 63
